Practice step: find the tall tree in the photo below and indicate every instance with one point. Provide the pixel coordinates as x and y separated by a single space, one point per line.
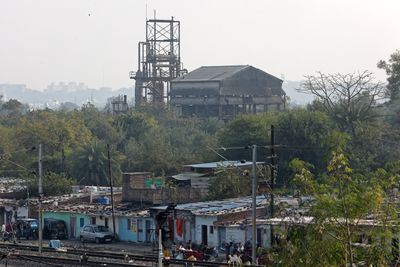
90 164
230 182
347 98
392 68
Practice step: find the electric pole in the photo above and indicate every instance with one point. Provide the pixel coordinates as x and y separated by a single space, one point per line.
111 188
273 167
254 210
40 200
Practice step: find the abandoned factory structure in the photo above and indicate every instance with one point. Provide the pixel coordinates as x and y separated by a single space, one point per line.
209 91
225 91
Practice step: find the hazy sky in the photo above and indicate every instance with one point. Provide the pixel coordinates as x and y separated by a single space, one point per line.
46 41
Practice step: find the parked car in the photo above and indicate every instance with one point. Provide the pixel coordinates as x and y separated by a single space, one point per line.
26 228
54 229
96 233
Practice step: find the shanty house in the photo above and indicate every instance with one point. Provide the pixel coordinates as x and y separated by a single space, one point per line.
225 91
197 176
11 209
201 222
130 224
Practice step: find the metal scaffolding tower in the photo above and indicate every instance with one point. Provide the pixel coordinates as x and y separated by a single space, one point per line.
159 61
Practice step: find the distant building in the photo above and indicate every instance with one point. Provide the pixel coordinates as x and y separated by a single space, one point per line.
118 104
225 91
144 189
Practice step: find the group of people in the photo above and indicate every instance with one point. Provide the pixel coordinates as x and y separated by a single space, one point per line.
238 254
190 251
7 233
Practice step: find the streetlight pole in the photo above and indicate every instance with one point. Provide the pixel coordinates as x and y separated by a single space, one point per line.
40 200
254 205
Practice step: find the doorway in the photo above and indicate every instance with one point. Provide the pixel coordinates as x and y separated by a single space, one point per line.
72 227
259 239
204 235
147 228
221 235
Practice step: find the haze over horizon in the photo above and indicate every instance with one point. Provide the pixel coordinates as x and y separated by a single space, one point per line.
95 41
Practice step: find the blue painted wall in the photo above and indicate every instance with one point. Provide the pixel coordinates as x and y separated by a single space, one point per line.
135 232
65 216
134 229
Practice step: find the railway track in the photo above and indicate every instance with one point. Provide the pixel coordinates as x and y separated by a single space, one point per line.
101 254
63 261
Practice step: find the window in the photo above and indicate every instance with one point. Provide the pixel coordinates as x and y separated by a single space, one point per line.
211 229
93 220
106 222
128 224
81 222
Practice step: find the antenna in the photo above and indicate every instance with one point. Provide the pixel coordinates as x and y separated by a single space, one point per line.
155 13
146 11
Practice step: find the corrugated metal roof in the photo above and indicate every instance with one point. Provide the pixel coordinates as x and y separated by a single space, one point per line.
211 73
219 207
187 176
99 210
221 164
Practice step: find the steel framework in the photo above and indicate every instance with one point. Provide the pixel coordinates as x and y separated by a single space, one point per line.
159 61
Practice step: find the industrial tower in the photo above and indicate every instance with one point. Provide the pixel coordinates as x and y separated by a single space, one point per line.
159 61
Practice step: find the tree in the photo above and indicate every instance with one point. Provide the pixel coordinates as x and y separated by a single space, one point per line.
54 184
90 164
347 98
101 125
229 182
135 124
342 201
11 111
301 134
392 68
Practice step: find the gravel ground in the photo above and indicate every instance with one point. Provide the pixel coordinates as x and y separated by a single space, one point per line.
134 248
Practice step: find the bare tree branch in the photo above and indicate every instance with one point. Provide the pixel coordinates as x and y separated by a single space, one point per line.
348 98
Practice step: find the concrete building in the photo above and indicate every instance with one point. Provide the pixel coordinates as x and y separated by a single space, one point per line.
225 91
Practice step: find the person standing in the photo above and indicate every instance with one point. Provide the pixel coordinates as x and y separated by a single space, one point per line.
3 231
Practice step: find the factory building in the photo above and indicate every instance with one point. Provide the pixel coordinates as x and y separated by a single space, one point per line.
226 91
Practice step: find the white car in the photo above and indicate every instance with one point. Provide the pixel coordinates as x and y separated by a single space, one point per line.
96 233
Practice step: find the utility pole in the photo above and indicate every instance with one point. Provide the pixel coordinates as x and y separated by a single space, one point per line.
160 250
273 167
254 205
111 188
40 200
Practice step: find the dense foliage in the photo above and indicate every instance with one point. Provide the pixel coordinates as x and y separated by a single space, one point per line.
75 143
154 139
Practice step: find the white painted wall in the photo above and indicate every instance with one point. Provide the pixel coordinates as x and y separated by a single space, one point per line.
240 234
100 220
22 212
209 221
235 234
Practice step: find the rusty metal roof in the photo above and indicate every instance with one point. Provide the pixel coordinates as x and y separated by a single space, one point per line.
123 209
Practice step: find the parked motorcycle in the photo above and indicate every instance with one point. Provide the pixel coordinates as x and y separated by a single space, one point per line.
210 253
8 236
